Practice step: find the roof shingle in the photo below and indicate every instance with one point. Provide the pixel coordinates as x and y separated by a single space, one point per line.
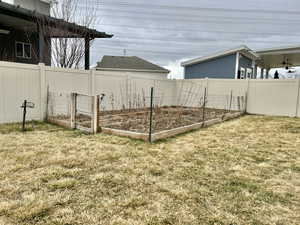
128 63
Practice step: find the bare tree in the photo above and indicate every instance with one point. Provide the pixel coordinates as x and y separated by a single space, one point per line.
69 52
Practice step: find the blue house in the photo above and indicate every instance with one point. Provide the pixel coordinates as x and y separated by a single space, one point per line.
237 63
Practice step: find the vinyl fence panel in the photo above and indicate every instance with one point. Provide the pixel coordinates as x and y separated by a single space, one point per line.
18 82
272 97
123 89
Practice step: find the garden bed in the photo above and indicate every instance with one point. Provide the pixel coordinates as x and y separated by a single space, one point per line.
135 123
166 121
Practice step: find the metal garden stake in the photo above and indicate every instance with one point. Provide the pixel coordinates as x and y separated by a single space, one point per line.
204 104
151 112
26 105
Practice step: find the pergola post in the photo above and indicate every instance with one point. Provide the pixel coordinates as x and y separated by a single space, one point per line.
87 53
254 70
267 73
261 73
41 47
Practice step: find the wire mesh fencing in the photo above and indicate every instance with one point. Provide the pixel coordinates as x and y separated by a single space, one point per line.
73 110
59 108
83 112
198 108
142 111
156 110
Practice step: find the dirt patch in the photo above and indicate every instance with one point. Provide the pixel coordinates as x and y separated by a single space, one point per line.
164 118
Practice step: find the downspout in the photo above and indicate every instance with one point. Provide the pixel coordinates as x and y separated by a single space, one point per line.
247 95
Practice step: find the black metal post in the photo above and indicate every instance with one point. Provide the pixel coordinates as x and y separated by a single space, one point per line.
24 114
151 113
204 104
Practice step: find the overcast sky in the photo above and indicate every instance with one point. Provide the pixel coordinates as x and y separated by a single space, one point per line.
168 32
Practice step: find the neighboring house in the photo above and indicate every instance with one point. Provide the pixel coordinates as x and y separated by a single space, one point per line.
133 65
237 63
26 29
242 63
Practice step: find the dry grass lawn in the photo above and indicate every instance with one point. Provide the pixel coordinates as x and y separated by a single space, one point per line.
244 171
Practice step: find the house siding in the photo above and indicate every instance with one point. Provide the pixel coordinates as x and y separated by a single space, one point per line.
8 47
221 67
39 6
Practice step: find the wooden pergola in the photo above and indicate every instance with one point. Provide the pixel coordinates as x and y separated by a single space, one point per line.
47 27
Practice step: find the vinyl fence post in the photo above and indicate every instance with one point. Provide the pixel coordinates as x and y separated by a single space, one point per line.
204 104
239 103
95 101
247 95
91 80
73 110
47 103
151 114
43 91
245 102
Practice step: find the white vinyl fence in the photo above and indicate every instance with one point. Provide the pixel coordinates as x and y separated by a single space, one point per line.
31 82
17 83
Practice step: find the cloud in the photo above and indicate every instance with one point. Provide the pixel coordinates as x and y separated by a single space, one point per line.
167 32
176 70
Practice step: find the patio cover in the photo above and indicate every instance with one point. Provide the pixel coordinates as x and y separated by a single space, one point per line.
12 16
279 57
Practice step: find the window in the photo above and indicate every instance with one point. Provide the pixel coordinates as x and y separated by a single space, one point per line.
23 50
243 71
249 73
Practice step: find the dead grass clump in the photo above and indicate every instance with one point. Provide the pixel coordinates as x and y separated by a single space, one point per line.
32 207
62 184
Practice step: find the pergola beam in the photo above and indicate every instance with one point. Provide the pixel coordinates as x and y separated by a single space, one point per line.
44 23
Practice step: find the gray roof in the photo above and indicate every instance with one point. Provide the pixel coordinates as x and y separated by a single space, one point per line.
129 63
242 49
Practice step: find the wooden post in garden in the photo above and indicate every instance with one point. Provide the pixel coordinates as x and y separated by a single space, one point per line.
73 110
204 104
230 101
94 117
